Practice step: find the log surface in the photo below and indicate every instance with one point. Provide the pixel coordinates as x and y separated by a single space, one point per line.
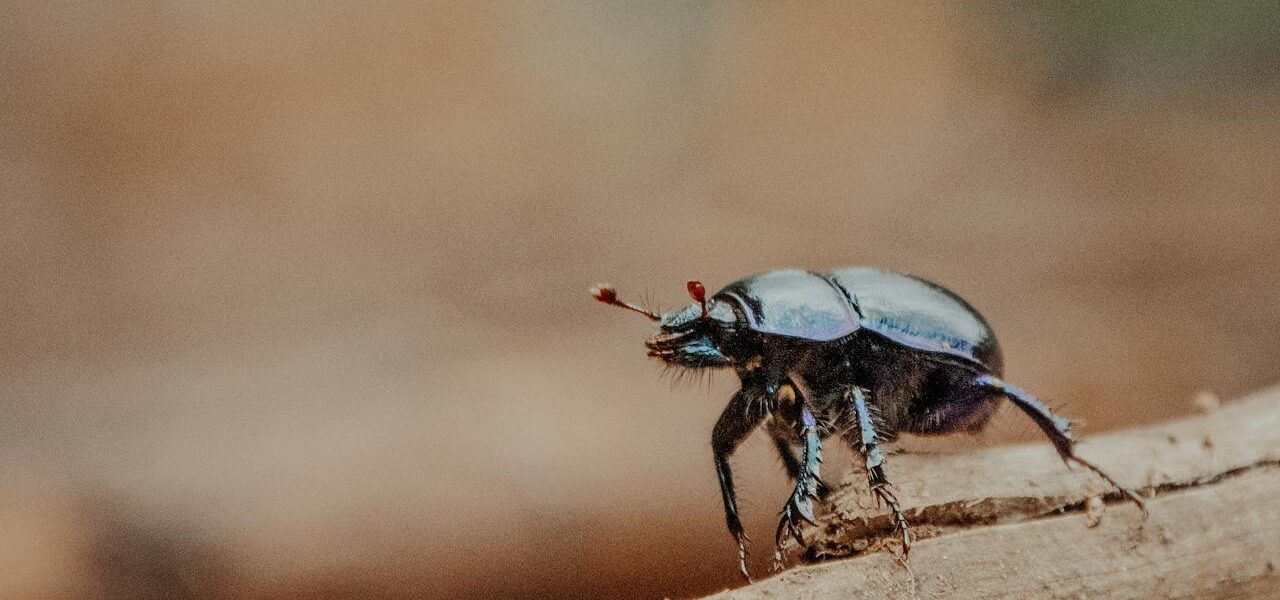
1014 522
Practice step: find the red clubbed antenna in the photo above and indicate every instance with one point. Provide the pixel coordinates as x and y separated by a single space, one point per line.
606 294
699 293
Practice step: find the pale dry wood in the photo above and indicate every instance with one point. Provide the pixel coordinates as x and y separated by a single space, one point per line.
1011 522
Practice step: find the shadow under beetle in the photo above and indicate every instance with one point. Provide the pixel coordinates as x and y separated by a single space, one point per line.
856 351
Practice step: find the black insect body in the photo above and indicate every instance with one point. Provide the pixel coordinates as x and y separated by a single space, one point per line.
859 352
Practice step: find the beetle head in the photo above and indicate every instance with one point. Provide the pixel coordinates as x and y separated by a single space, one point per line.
697 336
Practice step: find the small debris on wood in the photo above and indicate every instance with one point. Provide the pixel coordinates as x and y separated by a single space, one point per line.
1093 509
1206 401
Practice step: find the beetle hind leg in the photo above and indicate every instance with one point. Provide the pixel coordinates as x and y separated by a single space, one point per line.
867 443
1057 429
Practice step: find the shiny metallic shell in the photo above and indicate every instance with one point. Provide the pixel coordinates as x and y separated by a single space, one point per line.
823 307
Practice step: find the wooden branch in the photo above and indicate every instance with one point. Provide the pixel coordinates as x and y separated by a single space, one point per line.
1014 522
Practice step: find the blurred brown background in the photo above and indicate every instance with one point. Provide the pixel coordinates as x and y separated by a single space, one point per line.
295 295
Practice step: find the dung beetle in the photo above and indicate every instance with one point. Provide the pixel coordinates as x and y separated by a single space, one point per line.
857 351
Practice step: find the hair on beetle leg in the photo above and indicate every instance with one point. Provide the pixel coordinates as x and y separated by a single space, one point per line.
828 427
844 431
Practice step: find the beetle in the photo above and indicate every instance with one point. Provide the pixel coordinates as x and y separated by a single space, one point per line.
859 352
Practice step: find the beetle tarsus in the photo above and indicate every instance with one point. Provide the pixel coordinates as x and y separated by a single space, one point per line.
867 443
788 524
742 540
884 492
1126 492
1058 430
732 427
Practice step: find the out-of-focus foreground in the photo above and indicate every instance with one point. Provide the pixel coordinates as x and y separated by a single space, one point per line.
294 295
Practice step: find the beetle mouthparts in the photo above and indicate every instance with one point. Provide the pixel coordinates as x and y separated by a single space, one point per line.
664 345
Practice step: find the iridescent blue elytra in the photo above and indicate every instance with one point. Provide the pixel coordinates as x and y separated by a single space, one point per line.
856 351
828 306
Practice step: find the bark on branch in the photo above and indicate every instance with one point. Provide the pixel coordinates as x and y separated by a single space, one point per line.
1014 522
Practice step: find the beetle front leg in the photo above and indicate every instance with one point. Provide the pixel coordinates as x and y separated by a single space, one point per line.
800 504
1057 428
868 444
734 424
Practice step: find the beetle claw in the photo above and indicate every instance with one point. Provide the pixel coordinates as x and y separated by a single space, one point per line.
742 557
798 507
1126 492
884 492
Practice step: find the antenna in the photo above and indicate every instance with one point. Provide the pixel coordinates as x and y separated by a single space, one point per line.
605 293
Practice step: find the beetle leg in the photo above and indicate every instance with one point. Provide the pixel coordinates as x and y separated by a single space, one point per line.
1057 428
800 504
732 427
784 440
869 446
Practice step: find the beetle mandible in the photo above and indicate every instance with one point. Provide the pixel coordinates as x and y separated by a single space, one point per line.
856 351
